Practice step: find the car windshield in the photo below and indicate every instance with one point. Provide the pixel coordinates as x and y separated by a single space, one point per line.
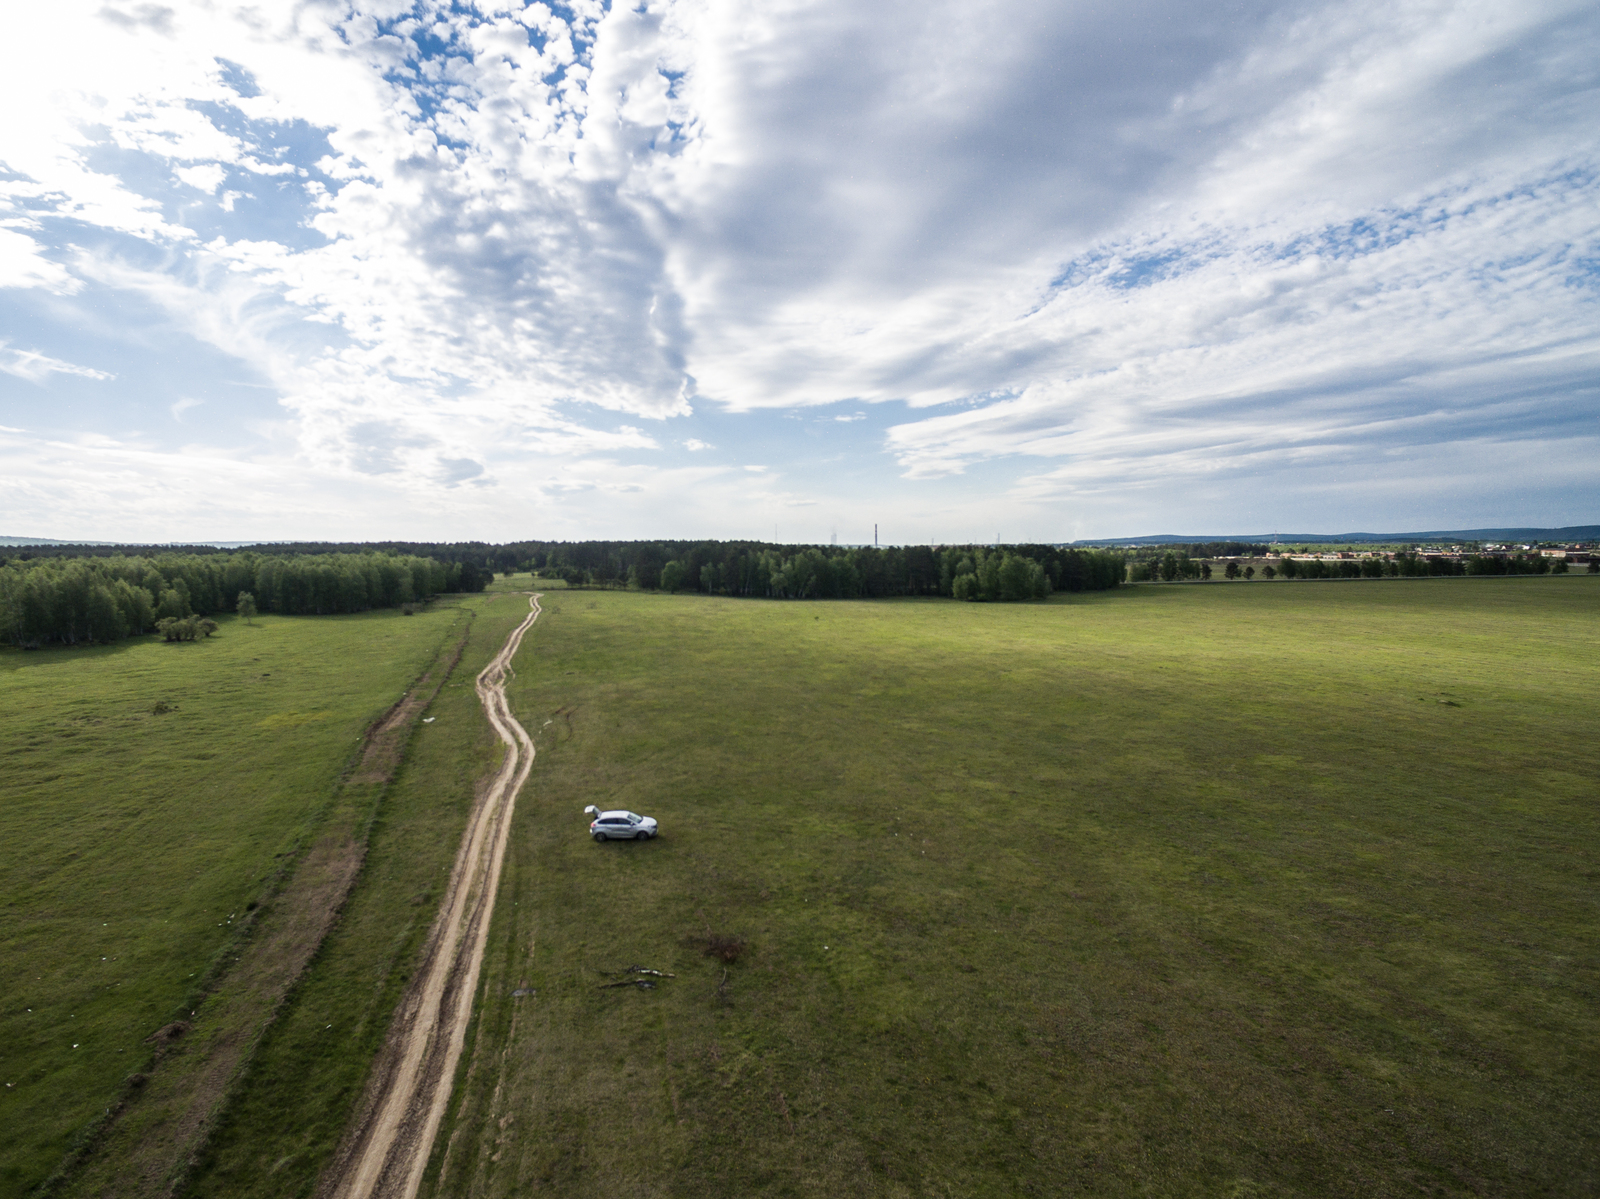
632 819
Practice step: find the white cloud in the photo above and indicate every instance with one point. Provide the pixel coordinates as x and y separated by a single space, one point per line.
35 367
1119 248
207 177
155 17
23 264
694 445
1453 316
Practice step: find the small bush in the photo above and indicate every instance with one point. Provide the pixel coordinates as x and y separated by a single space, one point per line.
187 628
722 946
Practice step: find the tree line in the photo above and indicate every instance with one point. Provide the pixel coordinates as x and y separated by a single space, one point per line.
745 568
756 569
481 554
1407 565
1403 565
73 595
1199 550
76 600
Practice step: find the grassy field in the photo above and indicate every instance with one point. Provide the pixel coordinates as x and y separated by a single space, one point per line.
309 1072
1278 889
133 842
1257 890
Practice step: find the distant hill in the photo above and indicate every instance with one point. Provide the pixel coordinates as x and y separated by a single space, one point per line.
24 542
1570 533
48 541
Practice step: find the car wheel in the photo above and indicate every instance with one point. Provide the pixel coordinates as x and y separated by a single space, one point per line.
599 836
641 836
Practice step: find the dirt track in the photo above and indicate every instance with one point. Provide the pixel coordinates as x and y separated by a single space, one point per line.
387 1147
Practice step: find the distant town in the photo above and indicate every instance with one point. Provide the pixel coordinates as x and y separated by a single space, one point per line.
1233 560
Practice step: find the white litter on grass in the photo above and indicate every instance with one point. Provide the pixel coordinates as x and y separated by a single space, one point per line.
429 719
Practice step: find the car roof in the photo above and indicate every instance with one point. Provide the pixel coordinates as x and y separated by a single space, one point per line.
615 812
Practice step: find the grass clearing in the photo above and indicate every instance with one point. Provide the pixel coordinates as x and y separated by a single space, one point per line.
1277 889
134 841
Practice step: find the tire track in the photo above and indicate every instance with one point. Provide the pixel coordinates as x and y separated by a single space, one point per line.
387 1147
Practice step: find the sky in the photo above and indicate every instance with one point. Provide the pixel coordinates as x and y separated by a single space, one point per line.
788 270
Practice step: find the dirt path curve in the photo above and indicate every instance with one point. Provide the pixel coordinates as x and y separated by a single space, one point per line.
388 1145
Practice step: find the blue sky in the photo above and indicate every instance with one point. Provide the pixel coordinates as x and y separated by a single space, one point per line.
971 272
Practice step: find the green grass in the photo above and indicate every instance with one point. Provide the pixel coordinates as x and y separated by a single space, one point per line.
311 1067
1266 890
131 843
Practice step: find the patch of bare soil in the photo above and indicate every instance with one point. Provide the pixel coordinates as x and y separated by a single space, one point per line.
386 740
388 1143
152 1138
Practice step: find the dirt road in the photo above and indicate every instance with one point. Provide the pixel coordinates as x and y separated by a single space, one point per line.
387 1148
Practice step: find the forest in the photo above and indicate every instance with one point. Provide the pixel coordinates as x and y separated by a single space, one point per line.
81 600
747 568
72 595
1145 554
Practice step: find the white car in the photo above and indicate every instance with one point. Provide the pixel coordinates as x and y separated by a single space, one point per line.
620 825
